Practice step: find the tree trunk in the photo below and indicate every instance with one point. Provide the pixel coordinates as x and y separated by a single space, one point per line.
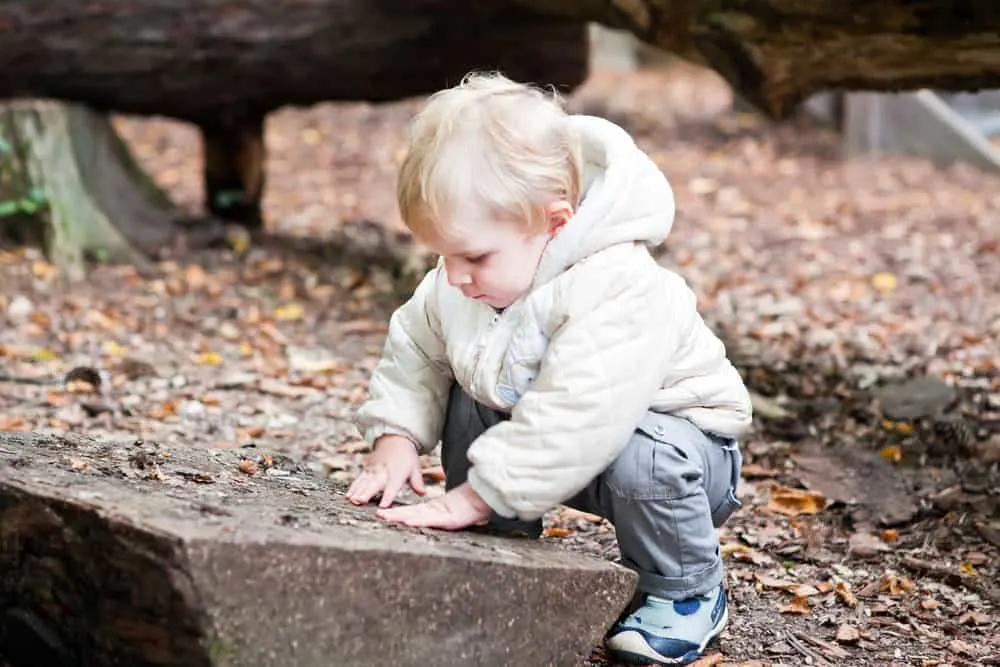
775 53
68 180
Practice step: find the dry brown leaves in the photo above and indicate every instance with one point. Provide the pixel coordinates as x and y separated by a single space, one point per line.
874 268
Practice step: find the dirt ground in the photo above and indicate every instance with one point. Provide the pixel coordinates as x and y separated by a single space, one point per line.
869 536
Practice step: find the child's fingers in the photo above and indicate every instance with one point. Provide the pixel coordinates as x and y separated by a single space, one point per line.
366 486
391 490
417 481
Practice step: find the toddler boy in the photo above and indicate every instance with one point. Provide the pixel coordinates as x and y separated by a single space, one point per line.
554 359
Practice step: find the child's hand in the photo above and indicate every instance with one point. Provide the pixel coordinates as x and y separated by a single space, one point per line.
457 509
393 462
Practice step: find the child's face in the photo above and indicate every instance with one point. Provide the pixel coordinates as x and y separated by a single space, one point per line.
495 262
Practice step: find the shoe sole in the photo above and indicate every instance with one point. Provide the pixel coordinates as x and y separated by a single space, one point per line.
637 652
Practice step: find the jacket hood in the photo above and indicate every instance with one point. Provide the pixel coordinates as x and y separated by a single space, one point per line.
626 198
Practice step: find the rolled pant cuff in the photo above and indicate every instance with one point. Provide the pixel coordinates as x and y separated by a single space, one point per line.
679 588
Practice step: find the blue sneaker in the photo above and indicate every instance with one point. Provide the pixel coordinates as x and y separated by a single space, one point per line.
669 632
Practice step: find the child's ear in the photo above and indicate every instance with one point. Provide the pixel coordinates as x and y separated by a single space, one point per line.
559 213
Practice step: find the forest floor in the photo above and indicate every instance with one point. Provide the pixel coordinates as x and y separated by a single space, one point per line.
870 533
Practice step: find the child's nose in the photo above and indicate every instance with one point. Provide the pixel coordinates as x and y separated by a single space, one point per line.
457 275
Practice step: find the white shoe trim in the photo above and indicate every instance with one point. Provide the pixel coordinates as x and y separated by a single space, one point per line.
631 641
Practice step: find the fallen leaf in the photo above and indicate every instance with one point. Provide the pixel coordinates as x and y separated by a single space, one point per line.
891 453
363 326
43 354
336 463
56 398
77 465
708 661
248 467
890 535
162 411
253 431
961 647
767 581
433 474
554 531
843 592
894 585
884 282
847 634
804 590
756 471
291 311
968 569
974 618
13 424
209 359
353 447
280 389
570 514
792 502
742 552
929 604
798 605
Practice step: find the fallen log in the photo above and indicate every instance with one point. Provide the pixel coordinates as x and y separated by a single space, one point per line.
126 553
225 65
775 53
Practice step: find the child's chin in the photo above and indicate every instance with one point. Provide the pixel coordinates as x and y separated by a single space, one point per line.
496 303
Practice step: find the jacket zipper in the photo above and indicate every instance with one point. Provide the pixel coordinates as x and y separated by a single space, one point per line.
481 346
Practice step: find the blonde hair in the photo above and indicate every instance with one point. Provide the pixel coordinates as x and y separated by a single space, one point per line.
487 147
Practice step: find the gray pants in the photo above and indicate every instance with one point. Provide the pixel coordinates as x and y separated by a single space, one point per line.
666 493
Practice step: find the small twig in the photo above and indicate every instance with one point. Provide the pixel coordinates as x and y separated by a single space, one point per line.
27 379
834 650
947 575
805 650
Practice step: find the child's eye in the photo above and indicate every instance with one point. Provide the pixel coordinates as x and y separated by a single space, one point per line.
478 259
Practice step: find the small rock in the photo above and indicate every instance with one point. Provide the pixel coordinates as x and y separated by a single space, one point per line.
133 368
20 308
282 420
191 409
988 451
236 381
768 408
782 307
920 397
960 647
313 360
948 499
821 338
865 545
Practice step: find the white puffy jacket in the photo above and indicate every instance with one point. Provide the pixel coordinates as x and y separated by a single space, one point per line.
604 335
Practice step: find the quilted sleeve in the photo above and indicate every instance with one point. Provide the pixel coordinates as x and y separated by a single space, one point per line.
602 367
408 391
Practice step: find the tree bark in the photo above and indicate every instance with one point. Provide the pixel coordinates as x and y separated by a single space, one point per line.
775 53
69 181
212 61
132 554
